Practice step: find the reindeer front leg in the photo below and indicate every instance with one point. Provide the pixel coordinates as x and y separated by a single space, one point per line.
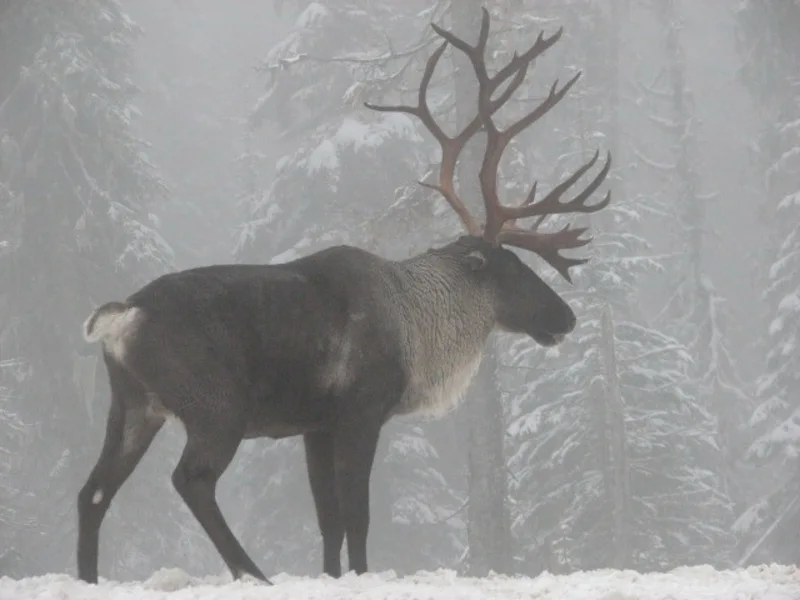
355 442
321 476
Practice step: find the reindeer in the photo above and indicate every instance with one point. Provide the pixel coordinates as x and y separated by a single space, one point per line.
332 345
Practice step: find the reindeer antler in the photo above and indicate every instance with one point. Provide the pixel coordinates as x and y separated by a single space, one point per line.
500 226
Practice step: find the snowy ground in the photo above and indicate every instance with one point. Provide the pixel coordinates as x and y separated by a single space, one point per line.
687 583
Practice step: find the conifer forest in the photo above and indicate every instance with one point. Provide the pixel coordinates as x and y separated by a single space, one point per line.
140 137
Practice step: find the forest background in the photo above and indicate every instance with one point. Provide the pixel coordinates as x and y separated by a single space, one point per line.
143 136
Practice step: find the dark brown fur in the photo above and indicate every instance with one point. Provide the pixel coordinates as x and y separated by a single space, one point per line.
328 346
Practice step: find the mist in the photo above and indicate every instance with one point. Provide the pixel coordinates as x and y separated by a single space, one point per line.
142 137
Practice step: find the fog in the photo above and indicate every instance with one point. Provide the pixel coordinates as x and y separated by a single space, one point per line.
664 431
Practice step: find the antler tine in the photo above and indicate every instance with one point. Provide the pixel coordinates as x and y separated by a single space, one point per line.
548 245
421 110
451 147
538 48
500 220
476 55
551 204
500 224
497 141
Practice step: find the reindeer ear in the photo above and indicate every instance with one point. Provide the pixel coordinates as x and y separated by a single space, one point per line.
476 260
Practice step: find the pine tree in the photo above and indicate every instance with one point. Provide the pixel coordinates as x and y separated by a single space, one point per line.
695 310
78 192
609 440
189 66
770 51
15 439
333 179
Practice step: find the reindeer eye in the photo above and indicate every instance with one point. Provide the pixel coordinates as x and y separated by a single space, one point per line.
476 260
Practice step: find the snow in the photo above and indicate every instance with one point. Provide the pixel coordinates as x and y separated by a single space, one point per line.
786 434
311 16
773 582
391 125
790 302
752 517
323 157
776 325
788 201
359 136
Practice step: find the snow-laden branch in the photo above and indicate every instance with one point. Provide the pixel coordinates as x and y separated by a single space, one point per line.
383 59
656 351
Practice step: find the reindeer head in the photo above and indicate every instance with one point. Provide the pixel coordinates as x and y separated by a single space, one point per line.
523 302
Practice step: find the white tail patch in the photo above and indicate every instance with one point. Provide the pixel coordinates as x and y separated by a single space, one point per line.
98 497
112 324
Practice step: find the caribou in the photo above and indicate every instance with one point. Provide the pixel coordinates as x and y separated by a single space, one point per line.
331 345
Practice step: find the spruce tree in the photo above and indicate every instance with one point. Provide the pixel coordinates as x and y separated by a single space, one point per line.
770 51
78 204
609 438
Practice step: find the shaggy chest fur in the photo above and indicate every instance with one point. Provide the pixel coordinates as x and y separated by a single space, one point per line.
434 392
431 312
445 329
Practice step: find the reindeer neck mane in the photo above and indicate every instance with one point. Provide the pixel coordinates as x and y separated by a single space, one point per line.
446 318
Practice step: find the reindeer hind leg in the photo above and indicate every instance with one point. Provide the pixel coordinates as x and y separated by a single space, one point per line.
214 430
130 429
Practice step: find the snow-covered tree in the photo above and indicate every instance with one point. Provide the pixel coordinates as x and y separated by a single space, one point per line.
195 88
335 179
694 311
78 192
609 439
771 62
14 442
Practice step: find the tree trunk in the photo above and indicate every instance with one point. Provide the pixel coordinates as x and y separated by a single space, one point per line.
488 523
617 480
609 409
